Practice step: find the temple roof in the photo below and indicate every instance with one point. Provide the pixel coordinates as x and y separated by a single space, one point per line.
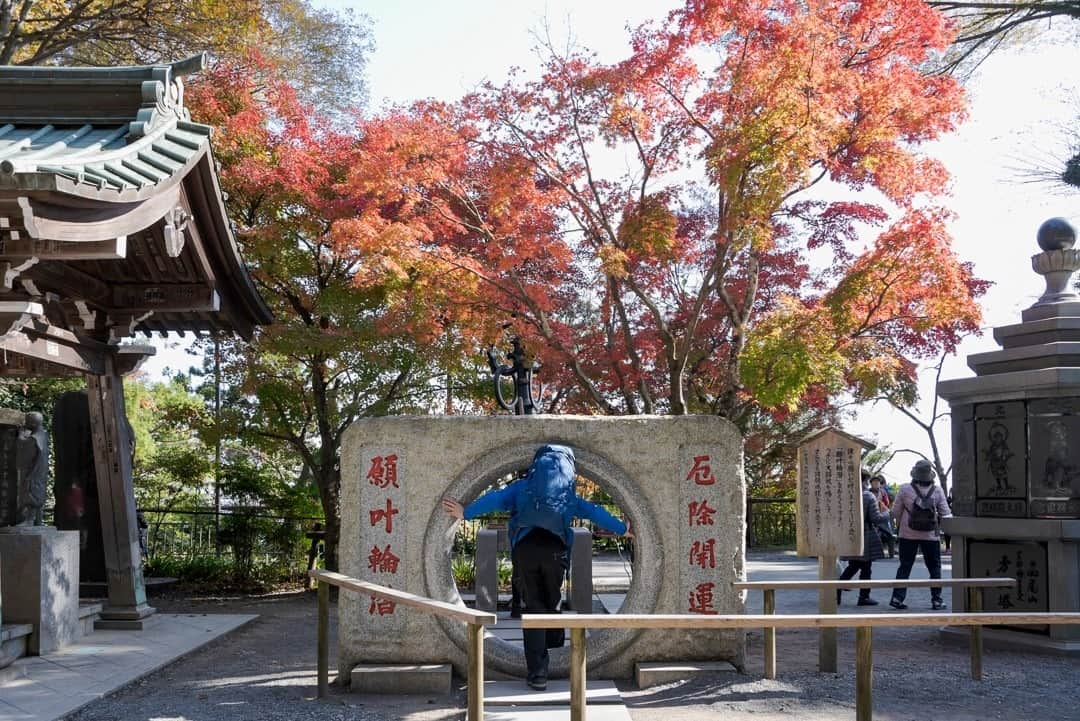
111 218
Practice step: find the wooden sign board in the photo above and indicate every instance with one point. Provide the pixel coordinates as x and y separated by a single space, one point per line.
829 505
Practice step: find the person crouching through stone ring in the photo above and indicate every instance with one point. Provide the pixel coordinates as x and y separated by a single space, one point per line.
542 505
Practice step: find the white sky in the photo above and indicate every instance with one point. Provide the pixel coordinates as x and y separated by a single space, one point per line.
1019 104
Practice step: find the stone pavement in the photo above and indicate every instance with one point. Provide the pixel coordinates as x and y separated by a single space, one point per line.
43 688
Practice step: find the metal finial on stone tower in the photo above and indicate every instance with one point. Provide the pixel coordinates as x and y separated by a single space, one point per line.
1058 261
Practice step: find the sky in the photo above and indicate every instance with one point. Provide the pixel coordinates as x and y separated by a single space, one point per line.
1020 102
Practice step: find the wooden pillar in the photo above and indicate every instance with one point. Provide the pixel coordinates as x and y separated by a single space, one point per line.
577 674
769 608
864 673
975 606
827 604
126 607
323 642
476 672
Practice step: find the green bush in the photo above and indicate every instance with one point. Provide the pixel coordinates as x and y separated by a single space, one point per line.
464 571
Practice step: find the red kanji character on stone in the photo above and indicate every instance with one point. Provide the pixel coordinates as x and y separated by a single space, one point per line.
383 472
701 514
701 599
381 605
383 561
704 553
701 473
388 516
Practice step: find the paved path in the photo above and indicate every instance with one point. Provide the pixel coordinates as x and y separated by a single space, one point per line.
43 688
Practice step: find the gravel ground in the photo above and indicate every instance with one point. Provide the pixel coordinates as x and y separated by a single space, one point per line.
266 670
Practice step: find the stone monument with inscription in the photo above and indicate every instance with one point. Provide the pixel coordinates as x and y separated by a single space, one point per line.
39 572
829 514
1016 455
679 480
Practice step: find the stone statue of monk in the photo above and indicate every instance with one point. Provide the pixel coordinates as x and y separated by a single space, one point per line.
32 459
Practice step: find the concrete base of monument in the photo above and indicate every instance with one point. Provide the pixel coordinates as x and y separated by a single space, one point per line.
401 678
1008 640
14 643
124 618
654 674
40 578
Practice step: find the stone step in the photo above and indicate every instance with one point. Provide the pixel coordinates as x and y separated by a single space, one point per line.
656 673
517 693
14 641
614 712
401 678
88 615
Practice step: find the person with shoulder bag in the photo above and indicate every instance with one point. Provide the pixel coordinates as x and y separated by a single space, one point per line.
873 518
918 510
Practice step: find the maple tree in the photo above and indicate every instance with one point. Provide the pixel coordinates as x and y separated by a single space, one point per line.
708 276
321 52
337 350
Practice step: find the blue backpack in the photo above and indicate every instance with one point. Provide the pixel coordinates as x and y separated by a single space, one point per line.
546 498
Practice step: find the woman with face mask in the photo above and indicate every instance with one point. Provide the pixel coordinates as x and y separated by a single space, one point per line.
918 510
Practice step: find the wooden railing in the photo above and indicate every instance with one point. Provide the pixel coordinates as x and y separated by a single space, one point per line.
862 623
475 620
973 586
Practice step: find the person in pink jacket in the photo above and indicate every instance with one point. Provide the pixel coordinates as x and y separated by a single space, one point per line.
920 538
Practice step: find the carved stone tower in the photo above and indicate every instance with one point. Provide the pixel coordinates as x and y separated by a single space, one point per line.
1016 455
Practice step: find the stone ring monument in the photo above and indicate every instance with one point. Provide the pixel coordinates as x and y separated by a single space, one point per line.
678 479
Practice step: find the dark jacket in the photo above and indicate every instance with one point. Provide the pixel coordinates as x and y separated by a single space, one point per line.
873 519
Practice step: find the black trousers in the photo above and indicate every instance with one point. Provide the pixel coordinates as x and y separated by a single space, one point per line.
540 562
931 553
864 569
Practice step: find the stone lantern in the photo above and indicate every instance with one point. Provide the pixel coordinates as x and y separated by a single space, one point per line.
1016 456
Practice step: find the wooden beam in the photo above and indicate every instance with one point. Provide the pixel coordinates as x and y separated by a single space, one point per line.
165 297
52 347
795 620
16 248
69 282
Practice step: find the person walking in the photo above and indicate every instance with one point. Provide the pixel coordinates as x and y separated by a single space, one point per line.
873 518
542 505
918 510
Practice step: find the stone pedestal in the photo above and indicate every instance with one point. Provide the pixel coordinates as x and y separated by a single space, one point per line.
40 584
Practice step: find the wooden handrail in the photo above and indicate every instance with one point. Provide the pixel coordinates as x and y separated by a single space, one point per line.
876 583
476 621
863 624
972 585
439 608
694 620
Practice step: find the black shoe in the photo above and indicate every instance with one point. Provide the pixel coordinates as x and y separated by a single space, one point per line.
839 594
515 613
867 602
937 604
538 684
898 605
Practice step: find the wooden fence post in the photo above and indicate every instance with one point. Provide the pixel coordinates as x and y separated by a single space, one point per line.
827 605
864 673
769 608
476 672
974 606
577 674
324 639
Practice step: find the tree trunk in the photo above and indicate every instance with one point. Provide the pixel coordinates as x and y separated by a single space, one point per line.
329 481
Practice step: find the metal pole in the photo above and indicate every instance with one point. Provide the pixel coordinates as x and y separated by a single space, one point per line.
864 673
769 608
974 606
476 672
577 674
324 639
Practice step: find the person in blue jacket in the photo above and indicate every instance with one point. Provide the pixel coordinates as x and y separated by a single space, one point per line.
540 539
